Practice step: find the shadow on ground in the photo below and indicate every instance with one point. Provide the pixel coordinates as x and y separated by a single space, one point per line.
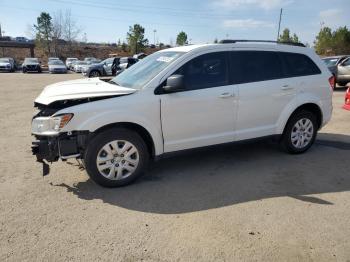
226 175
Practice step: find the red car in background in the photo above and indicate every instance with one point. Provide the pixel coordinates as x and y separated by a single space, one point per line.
347 100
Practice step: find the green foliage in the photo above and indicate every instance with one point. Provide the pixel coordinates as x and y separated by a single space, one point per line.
136 38
181 38
333 42
286 37
44 30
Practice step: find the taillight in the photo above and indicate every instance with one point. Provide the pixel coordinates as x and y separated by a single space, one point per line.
331 81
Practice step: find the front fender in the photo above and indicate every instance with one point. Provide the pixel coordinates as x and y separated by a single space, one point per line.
98 120
297 101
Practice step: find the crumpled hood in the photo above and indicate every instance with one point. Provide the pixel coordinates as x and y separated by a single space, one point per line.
81 88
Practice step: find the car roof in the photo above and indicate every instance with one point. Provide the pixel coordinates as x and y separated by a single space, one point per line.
334 57
243 45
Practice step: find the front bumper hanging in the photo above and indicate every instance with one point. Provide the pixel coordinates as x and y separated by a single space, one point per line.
64 146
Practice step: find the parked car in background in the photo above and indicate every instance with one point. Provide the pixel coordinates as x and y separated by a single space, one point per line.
86 59
333 62
103 68
78 66
53 58
347 99
183 98
124 63
90 63
343 72
31 64
94 61
7 64
57 66
69 61
21 39
71 67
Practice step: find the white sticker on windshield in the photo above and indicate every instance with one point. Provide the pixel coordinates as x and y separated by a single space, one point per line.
165 59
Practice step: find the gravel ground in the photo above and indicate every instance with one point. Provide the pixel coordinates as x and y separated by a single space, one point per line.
247 201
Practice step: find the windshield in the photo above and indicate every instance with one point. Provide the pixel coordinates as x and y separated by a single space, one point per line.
4 60
108 61
330 61
31 60
72 59
81 63
56 62
145 70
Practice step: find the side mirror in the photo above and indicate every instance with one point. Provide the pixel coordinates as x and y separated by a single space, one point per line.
174 83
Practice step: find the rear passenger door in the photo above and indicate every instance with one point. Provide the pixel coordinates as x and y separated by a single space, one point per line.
263 92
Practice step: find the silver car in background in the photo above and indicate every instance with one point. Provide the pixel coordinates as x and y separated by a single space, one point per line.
57 66
69 61
79 65
7 64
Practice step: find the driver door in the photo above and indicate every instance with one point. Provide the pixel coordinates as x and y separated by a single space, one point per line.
205 112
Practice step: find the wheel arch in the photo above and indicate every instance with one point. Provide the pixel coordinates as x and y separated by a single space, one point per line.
143 132
311 107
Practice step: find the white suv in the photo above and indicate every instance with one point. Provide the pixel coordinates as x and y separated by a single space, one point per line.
181 98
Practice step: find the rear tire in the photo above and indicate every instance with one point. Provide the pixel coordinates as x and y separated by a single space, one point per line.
116 157
300 132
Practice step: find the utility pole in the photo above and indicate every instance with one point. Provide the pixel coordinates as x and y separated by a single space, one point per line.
279 25
154 36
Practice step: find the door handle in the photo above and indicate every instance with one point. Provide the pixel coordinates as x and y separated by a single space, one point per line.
287 87
226 95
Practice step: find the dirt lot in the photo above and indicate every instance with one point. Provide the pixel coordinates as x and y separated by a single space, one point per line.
247 201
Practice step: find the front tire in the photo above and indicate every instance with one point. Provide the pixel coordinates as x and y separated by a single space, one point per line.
116 157
300 132
94 73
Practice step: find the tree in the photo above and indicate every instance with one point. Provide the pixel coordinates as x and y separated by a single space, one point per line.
57 32
71 31
44 30
341 41
286 37
333 42
323 40
136 38
181 38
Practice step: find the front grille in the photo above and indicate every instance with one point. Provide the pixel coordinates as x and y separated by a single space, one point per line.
32 67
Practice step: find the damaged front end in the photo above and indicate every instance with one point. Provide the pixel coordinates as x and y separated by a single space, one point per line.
64 146
51 144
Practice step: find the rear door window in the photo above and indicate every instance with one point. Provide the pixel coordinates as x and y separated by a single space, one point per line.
255 66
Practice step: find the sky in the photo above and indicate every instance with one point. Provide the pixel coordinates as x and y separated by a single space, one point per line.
202 20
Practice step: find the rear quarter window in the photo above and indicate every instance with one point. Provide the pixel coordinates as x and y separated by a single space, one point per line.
298 65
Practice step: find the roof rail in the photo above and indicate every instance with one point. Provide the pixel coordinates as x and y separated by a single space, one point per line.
232 41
